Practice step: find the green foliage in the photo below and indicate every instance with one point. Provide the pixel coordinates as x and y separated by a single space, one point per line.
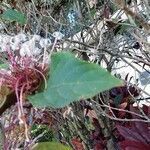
47 133
3 66
14 15
51 146
72 79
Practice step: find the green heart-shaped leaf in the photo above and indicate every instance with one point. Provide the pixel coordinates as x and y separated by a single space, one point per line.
14 15
50 146
72 79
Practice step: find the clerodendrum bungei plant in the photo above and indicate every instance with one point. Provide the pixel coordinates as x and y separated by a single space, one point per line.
69 79
29 80
66 79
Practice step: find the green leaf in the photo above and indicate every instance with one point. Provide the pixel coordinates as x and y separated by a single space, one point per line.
72 79
51 146
14 15
47 133
4 66
131 20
